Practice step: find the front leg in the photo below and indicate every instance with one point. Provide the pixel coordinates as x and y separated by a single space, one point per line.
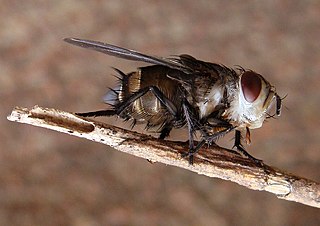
208 131
240 148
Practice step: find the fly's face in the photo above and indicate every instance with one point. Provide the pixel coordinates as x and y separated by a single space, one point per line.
254 99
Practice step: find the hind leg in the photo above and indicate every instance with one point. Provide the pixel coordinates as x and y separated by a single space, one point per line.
98 113
118 109
165 131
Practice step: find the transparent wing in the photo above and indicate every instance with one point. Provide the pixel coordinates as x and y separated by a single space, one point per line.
125 53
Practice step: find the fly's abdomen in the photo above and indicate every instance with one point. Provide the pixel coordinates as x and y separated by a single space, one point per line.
147 108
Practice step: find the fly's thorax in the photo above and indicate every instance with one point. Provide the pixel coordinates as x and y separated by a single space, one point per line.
211 100
250 105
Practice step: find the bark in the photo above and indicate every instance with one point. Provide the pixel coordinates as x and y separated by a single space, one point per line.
211 161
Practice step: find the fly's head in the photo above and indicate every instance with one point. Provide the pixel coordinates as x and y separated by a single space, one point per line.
255 98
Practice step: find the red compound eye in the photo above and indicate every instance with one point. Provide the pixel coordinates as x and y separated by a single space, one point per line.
251 85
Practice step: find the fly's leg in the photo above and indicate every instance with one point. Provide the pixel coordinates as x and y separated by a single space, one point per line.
165 131
240 148
208 139
98 113
192 151
163 100
189 117
158 94
118 109
191 130
122 106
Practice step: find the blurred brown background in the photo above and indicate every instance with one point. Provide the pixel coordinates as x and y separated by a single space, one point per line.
47 178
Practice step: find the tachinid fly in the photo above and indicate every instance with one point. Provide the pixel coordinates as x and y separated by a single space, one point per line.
183 91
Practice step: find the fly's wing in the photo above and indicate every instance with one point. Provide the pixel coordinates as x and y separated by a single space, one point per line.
188 68
126 53
197 65
205 68
206 73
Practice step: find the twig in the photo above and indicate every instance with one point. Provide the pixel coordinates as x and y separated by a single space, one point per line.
213 161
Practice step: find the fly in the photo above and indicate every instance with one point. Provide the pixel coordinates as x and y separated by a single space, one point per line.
183 91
